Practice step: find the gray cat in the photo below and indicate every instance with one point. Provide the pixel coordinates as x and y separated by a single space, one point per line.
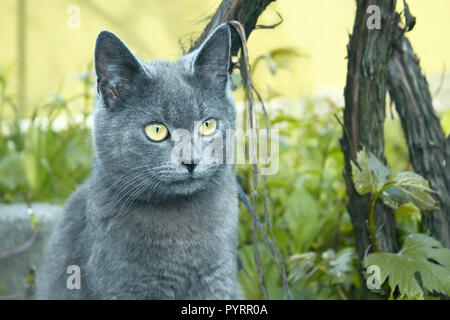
143 226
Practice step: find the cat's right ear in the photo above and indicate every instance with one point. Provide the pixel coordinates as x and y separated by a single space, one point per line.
212 60
116 68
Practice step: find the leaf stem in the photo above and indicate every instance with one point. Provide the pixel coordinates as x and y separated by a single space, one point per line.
372 226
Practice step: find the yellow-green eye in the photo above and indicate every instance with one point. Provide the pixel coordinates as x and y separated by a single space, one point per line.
156 131
208 127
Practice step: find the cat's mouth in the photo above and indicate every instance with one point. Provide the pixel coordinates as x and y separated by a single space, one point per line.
186 186
190 177
190 181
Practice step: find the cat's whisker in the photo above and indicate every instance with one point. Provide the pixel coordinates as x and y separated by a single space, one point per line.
148 176
124 191
132 193
139 192
119 180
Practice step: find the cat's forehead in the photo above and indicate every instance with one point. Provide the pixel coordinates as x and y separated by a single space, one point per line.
169 78
171 93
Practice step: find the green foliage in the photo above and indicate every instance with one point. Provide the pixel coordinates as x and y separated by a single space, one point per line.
308 214
422 264
306 200
408 217
370 175
42 158
12 172
409 187
331 274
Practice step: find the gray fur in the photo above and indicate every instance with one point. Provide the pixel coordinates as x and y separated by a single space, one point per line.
140 227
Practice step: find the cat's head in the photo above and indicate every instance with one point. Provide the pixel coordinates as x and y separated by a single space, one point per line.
142 106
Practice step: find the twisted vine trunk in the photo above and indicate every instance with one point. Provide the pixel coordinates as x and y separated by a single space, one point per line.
382 60
428 149
246 12
369 52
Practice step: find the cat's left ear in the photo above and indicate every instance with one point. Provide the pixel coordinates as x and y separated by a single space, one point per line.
212 61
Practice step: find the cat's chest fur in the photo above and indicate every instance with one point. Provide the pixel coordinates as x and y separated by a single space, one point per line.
174 251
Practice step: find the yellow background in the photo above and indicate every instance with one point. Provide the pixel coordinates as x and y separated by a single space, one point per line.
153 28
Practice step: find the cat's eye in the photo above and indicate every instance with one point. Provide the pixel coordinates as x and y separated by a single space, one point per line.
156 131
208 127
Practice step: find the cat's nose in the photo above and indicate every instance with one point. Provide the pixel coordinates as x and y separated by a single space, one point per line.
190 166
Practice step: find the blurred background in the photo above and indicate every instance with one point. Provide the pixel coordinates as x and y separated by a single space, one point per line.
55 48
47 93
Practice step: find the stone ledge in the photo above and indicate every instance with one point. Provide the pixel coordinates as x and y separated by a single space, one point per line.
15 230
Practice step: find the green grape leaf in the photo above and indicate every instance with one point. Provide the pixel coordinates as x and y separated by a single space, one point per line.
379 171
420 254
417 188
370 174
409 187
362 179
394 197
